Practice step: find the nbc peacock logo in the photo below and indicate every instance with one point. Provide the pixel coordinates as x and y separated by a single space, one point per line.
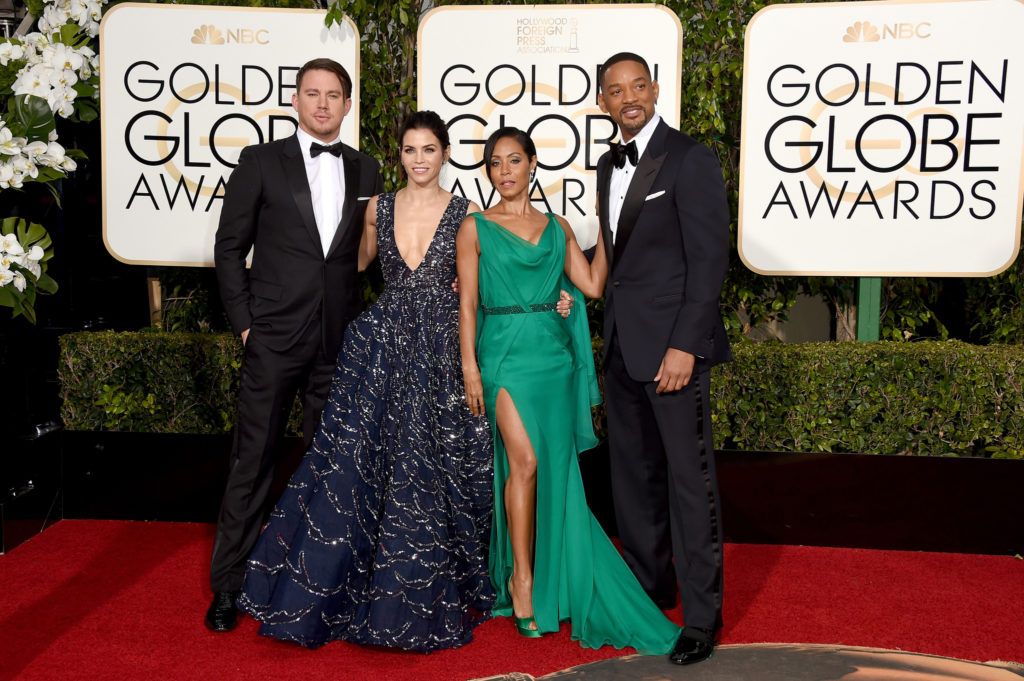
208 34
861 32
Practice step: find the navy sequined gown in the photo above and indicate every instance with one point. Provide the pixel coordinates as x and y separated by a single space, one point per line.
381 535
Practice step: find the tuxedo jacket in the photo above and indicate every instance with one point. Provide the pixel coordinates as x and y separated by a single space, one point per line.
670 255
292 284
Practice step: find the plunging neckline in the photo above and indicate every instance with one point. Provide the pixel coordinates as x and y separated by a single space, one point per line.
433 237
525 241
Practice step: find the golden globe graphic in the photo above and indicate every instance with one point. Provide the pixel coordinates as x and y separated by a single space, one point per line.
535 67
885 141
182 102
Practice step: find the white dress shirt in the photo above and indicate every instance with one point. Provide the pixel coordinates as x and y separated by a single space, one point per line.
618 185
326 177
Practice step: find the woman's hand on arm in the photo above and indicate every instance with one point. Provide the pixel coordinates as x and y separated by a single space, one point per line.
368 242
467 263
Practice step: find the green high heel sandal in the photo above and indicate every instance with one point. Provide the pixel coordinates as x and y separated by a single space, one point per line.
524 628
523 624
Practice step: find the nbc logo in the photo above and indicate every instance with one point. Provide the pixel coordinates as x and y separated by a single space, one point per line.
861 31
207 34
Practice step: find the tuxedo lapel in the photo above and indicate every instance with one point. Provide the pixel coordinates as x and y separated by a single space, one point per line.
636 195
295 171
351 164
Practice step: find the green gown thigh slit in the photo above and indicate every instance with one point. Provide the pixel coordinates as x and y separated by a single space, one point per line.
545 364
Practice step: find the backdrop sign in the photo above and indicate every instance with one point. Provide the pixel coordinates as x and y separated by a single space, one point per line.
535 67
883 138
180 103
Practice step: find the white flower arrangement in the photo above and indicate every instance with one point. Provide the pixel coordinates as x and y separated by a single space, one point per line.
51 73
25 249
52 70
85 14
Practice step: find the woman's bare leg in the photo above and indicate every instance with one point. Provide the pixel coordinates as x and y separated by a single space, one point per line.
520 501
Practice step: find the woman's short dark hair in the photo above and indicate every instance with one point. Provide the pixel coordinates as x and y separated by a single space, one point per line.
324 64
425 120
524 140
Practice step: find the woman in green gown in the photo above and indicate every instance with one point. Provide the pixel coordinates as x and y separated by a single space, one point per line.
533 373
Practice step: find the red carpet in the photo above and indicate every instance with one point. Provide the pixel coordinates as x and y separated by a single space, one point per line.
123 600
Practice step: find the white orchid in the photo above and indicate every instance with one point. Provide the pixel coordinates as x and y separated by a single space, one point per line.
19 281
6 276
24 166
33 81
34 269
61 100
10 52
21 260
11 245
65 78
6 175
34 149
9 144
35 254
53 157
63 57
54 16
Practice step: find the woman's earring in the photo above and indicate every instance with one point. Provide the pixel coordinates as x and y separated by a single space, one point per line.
533 174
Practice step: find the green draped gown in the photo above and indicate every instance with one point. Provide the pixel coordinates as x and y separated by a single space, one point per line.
546 365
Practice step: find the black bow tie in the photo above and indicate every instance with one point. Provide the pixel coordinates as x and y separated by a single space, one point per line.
622 152
317 149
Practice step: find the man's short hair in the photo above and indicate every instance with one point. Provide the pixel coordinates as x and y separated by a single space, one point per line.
325 64
615 59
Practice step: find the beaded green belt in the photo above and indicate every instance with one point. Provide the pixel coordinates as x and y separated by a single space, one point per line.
518 309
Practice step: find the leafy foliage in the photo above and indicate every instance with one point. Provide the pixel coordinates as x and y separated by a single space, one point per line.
151 382
928 398
191 302
996 305
28 266
388 70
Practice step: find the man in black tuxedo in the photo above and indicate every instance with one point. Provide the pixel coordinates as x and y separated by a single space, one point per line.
665 222
299 203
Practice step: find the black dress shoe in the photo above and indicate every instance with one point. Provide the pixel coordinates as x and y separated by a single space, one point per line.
693 645
222 615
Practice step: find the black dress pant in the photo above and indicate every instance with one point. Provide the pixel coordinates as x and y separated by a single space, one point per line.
269 382
665 489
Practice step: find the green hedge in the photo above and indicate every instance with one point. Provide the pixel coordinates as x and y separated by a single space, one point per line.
149 382
926 398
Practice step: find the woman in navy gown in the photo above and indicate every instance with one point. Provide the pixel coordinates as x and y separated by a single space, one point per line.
381 535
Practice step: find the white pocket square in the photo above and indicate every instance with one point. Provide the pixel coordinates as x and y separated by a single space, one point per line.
654 195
